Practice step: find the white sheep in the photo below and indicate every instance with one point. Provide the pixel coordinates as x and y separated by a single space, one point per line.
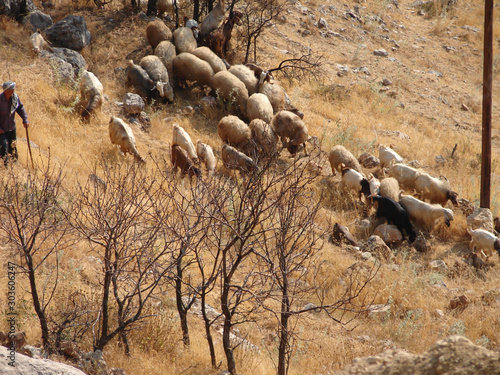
247 76
184 40
206 155
435 190
92 94
374 184
405 175
389 188
38 44
234 131
231 88
165 50
264 136
353 180
158 74
259 107
291 130
188 67
425 214
122 136
340 155
181 137
386 155
210 57
484 241
275 93
213 19
234 159
156 32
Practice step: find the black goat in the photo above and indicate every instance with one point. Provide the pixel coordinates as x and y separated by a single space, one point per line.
395 214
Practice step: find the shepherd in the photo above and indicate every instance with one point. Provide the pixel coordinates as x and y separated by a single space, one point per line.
9 105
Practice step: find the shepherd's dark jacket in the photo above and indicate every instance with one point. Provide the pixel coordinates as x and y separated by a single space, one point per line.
7 122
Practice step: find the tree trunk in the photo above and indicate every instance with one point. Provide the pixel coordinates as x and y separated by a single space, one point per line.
285 315
152 8
36 303
102 341
180 305
196 10
207 330
226 341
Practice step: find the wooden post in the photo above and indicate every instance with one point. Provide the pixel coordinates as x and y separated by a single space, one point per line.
487 85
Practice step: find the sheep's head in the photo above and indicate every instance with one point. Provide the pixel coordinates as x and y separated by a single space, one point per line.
496 245
448 216
453 197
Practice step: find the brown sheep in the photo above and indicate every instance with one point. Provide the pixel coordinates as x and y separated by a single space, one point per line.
234 159
291 130
218 40
181 160
156 32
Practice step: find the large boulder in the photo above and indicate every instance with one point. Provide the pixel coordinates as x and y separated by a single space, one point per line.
66 64
452 356
71 32
16 8
38 21
25 365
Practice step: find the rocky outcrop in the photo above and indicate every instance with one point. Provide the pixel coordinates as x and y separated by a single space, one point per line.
24 365
451 356
16 8
71 32
38 21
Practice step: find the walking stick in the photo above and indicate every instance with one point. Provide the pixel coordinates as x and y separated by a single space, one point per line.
29 148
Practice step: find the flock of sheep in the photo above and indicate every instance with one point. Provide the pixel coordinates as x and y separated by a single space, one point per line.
265 116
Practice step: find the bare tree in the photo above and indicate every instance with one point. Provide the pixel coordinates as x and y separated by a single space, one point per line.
289 255
305 66
120 218
257 14
33 223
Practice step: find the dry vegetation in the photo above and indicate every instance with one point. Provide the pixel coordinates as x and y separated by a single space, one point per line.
354 110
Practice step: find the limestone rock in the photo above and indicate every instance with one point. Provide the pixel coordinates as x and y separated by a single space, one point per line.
16 8
25 365
377 247
133 104
452 356
38 21
388 233
481 218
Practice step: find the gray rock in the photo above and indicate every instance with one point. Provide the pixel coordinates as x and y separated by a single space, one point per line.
378 248
322 24
381 52
38 21
16 8
481 218
133 103
62 70
25 365
438 265
386 82
71 32
72 57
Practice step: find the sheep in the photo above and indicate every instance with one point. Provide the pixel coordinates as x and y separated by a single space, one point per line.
165 50
374 184
181 137
184 40
291 130
435 190
159 75
166 6
181 160
425 214
206 155
352 179
405 175
210 57
234 159
138 78
385 155
234 131
122 136
264 136
340 155
275 93
91 92
395 214
213 19
484 241
188 67
389 187
218 40
38 44
229 87
247 76
259 107
156 32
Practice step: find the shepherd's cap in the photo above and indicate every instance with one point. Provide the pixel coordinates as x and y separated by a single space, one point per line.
9 85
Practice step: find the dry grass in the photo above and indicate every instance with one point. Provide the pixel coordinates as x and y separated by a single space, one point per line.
350 110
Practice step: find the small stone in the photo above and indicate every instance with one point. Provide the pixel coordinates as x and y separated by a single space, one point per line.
438 265
463 107
381 52
386 82
322 24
